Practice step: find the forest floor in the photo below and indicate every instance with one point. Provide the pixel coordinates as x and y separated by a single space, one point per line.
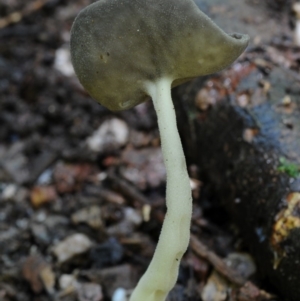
82 189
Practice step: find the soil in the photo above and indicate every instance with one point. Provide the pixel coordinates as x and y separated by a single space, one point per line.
82 189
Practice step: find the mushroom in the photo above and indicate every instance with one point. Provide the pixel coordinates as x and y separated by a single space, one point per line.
296 10
127 51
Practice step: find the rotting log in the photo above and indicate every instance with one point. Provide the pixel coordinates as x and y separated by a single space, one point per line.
242 128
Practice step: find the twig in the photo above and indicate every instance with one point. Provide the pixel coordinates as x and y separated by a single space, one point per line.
201 250
17 16
127 190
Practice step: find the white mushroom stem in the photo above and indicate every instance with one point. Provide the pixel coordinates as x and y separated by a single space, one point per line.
162 272
296 9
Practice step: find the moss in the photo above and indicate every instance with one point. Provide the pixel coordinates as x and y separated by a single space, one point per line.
291 169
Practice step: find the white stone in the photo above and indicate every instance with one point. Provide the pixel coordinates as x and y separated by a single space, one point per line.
62 61
119 295
112 134
9 192
66 281
133 216
71 246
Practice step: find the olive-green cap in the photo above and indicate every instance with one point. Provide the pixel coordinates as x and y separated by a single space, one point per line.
118 45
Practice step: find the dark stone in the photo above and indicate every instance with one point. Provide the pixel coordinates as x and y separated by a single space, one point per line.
106 254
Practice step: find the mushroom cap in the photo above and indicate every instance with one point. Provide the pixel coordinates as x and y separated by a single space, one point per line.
119 45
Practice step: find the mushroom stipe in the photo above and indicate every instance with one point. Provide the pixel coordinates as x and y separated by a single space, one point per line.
125 52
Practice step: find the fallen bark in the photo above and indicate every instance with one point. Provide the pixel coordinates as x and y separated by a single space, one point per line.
242 128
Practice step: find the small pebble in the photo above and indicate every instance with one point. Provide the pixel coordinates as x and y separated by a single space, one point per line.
242 263
71 246
90 216
38 273
133 216
9 191
41 195
119 295
67 281
45 178
89 292
62 61
107 254
111 135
